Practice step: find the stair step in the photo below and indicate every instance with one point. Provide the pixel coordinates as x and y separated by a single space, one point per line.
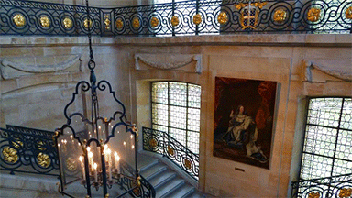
184 191
169 187
148 164
196 195
153 171
162 177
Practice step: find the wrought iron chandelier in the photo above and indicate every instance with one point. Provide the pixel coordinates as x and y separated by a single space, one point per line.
89 155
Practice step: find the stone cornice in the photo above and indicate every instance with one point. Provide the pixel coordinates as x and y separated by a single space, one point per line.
282 40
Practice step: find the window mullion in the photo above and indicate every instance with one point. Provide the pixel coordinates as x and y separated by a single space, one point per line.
168 107
186 116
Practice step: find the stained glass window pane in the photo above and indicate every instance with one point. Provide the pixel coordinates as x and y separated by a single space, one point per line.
176 111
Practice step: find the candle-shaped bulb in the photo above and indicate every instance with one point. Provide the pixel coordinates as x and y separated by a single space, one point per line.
131 136
105 147
99 127
95 166
81 158
88 149
124 143
95 172
132 146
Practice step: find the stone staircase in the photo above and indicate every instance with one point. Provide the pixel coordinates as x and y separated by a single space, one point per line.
167 183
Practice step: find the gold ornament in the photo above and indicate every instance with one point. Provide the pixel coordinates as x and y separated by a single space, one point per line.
314 195
41 145
175 21
107 26
345 192
170 151
71 164
86 23
44 21
17 144
136 23
223 18
349 12
10 154
153 143
239 6
154 22
280 15
43 160
19 20
67 22
197 19
119 24
187 163
313 14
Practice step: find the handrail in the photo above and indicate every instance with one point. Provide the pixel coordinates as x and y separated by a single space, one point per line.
334 186
193 17
162 143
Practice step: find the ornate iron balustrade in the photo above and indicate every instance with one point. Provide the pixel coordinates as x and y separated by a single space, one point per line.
336 186
162 143
28 150
195 17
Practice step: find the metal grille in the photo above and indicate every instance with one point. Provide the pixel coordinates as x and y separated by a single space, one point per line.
176 110
327 149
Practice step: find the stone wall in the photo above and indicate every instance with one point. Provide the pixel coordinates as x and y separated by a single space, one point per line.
38 77
281 58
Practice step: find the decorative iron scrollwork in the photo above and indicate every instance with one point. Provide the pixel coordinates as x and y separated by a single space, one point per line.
17 144
43 160
280 15
45 21
197 19
10 154
175 21
313 14
223 18
19 20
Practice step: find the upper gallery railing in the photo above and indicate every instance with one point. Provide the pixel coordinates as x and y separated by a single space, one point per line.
162 143
339 186
195 17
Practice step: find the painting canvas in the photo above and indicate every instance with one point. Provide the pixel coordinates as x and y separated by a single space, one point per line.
243 120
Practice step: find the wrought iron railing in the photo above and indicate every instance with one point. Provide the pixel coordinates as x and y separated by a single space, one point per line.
162 143
336 186
28 150
194 17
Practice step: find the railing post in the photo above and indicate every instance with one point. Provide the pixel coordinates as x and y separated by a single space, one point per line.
173 14
197 11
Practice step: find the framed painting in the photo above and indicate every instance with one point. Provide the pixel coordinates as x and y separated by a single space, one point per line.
243 120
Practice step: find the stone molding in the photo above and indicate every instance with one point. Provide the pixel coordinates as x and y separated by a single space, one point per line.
169 62
339 69
14 67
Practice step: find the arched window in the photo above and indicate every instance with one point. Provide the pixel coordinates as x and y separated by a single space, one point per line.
176 110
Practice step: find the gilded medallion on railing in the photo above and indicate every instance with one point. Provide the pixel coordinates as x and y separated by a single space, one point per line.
313 14
249 14
87 23
10 154
107 22
345 193
280 15
154 22
119 23
67 22
197 19
349 12
175 21
136 23
223 18
43 160
19 20
44 21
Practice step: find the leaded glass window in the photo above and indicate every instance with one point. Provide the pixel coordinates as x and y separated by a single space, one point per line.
327 149
176 110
